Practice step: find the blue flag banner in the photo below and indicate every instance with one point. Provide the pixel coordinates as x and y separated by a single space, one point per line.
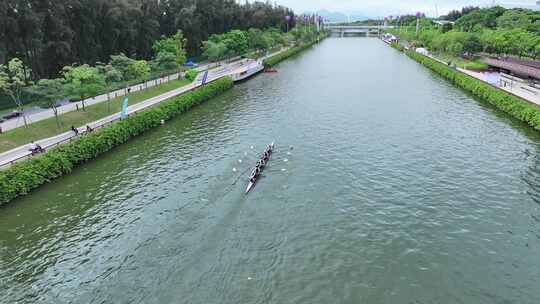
205 77
124 113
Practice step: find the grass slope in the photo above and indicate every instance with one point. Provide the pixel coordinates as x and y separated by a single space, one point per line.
48 127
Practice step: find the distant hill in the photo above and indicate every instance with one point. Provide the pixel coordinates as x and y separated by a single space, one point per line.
339 16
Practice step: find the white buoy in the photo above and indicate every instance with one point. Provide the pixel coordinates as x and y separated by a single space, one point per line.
250 278
288 153
283 169
240 161
234 169
285 160
251 147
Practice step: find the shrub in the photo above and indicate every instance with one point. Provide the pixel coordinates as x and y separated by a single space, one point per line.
511 104
290 52
27 175
191 74
397 46
476 66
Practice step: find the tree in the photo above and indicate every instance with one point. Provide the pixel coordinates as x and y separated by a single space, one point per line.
111 75
13 79
139 70
447 27
256 39
122 63
512 19
456 14
235 41
180 43
165 61
83 81
52 34
50 92
214 50
175 45
455 48
479 19
521 42
471 43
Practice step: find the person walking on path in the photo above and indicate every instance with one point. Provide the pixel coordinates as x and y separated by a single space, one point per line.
75 130
35 148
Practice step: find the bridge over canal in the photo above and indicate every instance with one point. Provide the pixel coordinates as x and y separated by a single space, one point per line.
356 30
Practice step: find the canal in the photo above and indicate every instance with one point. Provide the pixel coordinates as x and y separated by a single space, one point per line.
388 185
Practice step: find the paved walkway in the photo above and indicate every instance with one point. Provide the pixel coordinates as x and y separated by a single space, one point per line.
233 68
510 84
48 113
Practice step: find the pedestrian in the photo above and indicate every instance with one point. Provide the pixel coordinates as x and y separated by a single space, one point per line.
129 90
35 148
89 129
75 130
0 129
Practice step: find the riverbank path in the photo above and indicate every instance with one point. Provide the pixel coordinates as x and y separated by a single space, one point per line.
9 157
73 106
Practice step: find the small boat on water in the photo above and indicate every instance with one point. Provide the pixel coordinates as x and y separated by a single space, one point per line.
254 177
270 71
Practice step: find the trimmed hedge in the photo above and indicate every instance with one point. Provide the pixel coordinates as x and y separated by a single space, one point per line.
397 46
290 52
511 104
27 175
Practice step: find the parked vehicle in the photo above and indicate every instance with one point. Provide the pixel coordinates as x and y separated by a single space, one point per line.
12 115
190 64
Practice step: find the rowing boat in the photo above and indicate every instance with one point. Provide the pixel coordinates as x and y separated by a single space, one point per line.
252 184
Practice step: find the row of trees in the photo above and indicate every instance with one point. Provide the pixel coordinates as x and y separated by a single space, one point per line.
48 35
493 30
238 42
513 42
83 81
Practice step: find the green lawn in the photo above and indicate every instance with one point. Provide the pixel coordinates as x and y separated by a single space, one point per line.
48 127
464 63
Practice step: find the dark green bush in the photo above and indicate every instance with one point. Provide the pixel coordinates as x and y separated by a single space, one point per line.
22 177
511 104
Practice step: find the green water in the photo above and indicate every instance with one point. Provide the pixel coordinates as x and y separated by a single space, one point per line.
399 189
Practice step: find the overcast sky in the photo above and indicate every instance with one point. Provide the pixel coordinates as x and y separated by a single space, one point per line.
387 7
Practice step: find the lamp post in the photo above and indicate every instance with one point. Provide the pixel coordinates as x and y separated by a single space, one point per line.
418 15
